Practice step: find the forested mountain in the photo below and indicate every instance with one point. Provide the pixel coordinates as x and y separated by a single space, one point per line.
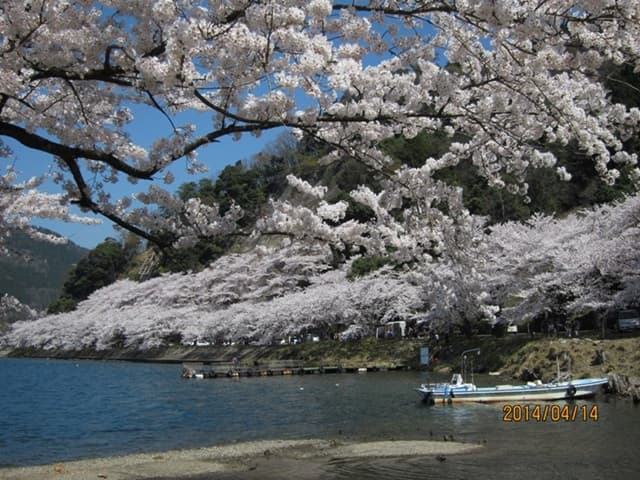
35 270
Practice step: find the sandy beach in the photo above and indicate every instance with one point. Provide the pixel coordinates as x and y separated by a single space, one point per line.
255 459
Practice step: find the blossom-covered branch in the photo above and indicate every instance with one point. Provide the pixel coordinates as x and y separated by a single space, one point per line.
505 79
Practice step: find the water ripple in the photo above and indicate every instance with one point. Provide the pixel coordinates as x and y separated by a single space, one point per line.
52 411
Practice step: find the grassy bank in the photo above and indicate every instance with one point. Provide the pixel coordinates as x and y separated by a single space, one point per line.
584 357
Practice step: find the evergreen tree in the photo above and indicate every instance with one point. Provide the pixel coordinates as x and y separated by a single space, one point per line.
101 267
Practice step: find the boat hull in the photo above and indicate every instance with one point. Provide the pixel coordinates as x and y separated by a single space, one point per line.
507 393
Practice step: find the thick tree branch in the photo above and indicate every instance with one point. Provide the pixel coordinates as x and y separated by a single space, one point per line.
113 75
38 142
85 201
421 8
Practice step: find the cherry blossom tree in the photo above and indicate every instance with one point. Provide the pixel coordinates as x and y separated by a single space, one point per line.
11 310
502 77
587 260
254 297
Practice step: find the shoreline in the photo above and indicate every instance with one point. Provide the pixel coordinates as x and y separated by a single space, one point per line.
518 357
234 458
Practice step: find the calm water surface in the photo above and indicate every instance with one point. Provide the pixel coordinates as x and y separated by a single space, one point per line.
52 411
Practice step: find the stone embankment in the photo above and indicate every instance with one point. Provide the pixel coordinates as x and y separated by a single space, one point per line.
383 353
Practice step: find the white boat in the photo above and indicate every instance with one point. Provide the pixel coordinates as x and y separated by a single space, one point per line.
459 391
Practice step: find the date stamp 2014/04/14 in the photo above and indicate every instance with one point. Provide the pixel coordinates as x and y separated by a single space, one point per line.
549 413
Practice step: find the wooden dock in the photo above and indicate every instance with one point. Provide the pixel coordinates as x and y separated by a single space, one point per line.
273 368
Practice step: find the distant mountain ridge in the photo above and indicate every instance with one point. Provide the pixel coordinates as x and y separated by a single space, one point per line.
36 270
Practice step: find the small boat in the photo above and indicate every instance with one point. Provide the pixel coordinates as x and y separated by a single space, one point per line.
459 391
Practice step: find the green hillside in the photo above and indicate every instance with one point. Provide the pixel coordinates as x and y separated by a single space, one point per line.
35 270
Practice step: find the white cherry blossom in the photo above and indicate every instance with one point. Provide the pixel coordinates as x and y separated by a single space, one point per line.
505 77
585 262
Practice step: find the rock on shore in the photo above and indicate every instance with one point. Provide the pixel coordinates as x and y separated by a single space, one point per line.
625 386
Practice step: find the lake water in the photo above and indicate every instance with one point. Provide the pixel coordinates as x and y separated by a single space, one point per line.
52 411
